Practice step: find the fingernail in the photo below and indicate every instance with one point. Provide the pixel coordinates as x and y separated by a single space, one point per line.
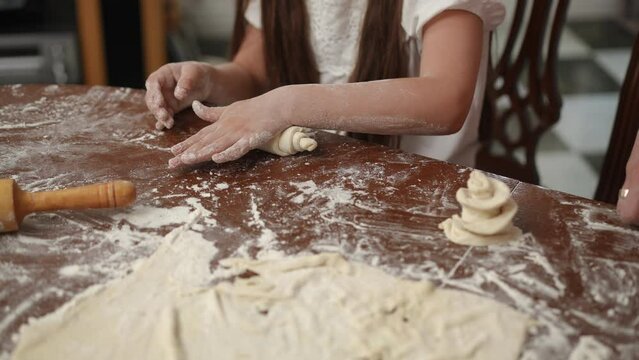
163 115
187 157
159 125
174 162
175 149
165 118
180 92
196 105
218 158
623 193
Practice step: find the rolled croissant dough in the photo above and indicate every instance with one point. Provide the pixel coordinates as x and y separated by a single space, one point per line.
291 141
487 213
310 307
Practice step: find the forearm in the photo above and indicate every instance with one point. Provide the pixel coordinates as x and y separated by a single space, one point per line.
435 103
423 105
633 160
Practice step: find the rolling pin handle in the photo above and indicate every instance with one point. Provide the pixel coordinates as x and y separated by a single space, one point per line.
107 195
123 193
15 203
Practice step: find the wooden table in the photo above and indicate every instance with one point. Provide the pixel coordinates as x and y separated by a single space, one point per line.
576 271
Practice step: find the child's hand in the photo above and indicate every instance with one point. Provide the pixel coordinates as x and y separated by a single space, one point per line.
628 203
173 87
236 129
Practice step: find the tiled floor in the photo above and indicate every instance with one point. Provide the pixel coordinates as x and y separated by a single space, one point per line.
594 56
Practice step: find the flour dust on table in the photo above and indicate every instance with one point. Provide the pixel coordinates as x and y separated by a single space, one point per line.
487 213
308 307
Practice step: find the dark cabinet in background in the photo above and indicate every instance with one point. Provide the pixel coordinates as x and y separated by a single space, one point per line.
95 42
38 42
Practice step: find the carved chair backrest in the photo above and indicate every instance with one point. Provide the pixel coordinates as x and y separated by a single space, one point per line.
522 99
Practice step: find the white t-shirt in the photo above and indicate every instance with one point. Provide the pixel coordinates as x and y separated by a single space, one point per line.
334 36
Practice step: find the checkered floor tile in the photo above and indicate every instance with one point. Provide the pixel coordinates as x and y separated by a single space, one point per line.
594 56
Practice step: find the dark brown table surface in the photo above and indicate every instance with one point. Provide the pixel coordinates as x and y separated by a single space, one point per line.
576 270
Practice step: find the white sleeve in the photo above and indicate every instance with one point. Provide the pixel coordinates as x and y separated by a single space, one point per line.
416 13
253 13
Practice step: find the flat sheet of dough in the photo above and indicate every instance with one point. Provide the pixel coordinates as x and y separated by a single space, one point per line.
312 307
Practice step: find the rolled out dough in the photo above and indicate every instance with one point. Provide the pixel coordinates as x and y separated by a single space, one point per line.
487 213
309 307
291 141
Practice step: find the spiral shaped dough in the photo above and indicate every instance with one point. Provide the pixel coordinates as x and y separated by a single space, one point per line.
291 141
487 213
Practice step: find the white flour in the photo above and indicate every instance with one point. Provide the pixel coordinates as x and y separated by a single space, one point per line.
221 186
153 217
339 210
588 348
522 274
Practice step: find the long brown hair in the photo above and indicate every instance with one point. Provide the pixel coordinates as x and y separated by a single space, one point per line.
289 57
288 53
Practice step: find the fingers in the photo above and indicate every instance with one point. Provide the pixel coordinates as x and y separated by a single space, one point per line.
195 156
221 150
165 119
200 147
172 88
210 114
188 80
628 204
200 152
227 139
205 148
179 148
157 104
206 142
234 152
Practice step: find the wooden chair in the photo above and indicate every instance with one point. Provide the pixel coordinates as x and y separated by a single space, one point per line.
623 134
154 16
522 100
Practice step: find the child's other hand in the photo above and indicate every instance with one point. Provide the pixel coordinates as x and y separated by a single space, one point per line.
173 87
628 203
236 129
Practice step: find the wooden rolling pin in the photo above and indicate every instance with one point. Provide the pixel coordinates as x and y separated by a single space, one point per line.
15 204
